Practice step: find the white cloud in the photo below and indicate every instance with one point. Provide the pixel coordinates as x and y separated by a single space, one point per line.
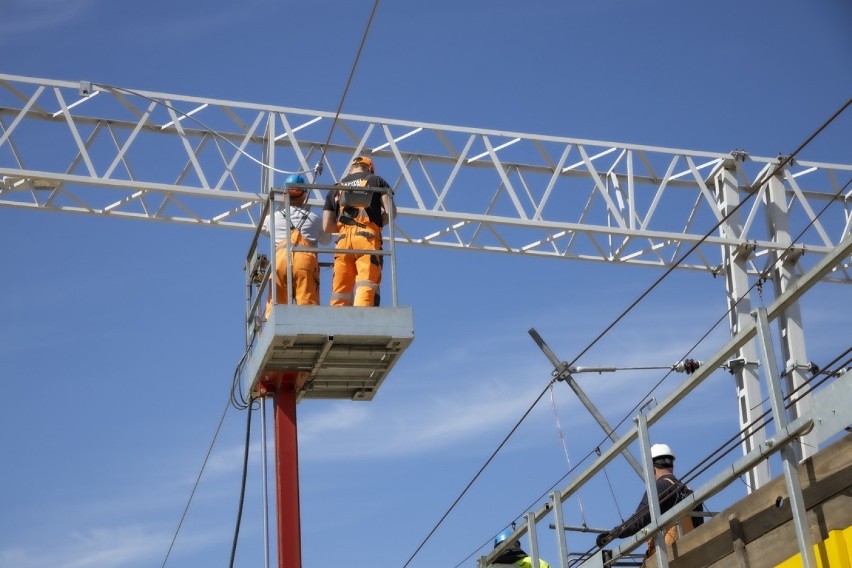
413 426
24 16
92 548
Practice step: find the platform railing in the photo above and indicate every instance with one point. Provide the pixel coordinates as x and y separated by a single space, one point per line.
261 268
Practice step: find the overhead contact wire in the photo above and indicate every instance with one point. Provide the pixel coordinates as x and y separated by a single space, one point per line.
475 477
565 449
232 401
752 191
197 481
204 127
242 486
762 276
349 80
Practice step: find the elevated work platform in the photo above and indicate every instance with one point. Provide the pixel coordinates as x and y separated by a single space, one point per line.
329 352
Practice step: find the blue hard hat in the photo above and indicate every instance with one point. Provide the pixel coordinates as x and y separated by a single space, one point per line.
502 536
295 178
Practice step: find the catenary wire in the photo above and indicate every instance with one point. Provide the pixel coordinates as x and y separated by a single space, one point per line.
565 449
733 442
203 126
237 397
242 485
766 418
197 481
735 439
476 476
753 190
611 490
757 424
349 80
762 276
596 339
237 148
231 402
689 476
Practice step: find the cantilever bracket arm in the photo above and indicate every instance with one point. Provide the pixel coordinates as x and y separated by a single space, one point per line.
562 372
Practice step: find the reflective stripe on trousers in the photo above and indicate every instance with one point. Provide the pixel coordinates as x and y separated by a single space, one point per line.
357 277
305 275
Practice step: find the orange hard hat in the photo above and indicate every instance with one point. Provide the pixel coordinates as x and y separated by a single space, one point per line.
366 161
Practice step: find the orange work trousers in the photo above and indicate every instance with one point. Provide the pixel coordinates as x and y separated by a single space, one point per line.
357 277
305 275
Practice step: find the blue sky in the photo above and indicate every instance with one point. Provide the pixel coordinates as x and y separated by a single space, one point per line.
118 339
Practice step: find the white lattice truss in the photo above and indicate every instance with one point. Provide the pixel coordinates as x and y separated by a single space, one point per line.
102 150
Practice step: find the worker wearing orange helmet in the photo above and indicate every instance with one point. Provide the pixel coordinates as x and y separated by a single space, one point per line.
357 216
304 230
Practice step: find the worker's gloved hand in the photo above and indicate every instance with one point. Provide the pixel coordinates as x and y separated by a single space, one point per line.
690 366
603 539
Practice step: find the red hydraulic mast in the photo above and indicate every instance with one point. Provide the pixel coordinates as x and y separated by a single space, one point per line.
318 352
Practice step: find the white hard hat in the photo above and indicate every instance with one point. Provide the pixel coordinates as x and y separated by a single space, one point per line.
660 450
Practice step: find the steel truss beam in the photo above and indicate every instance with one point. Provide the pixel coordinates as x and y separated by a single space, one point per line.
104 150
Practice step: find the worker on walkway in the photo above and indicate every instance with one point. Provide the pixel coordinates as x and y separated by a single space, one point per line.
305 230
514 555
669 490
357 216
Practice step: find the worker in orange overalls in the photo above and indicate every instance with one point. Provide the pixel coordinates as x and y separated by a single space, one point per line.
305 230
357 216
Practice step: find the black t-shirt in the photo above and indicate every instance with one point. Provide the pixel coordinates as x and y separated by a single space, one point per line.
670 491
359 180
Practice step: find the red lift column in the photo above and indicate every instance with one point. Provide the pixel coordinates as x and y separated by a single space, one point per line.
318 352
287 478
282 387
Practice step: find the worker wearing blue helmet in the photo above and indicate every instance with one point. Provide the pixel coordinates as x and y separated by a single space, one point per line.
514 555
304 229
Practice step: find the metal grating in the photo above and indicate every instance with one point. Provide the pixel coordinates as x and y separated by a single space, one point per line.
339 353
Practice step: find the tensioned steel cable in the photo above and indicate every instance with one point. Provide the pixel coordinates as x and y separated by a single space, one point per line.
348 83
750 427
700 468
713 458
731 443
565 449
237 399
718 454
203 126
240 150
734 441
751 192
197 481
689 475
242 486
232 401
756 283
724 449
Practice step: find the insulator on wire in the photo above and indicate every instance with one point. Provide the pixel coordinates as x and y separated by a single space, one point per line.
687 366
